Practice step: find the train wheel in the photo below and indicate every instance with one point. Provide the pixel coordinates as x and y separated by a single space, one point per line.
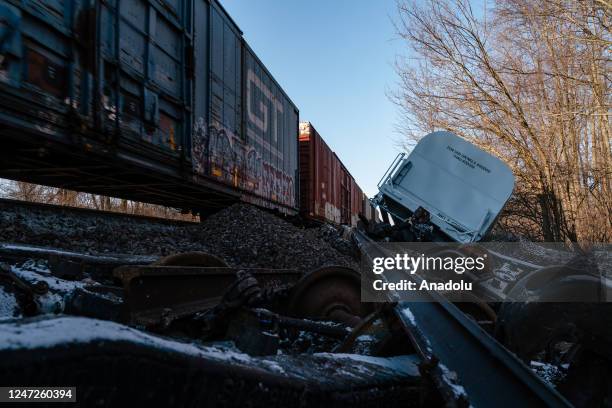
570 341
332 292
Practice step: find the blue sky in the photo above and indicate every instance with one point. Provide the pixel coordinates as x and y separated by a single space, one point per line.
334 58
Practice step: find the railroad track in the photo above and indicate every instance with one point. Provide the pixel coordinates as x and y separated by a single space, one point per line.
159 294
447 341
12 205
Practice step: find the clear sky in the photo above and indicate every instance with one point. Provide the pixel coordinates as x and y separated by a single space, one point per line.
334 58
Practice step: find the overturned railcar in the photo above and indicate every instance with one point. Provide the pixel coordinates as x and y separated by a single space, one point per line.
447 183
159 101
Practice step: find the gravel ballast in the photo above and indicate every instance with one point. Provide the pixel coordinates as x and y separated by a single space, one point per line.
243 235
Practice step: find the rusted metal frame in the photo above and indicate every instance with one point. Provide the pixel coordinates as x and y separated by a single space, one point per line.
449 342
156 295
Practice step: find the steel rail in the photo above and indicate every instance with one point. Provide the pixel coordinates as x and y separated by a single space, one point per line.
11 204
466 364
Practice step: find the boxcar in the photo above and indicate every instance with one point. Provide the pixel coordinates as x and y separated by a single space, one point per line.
328 192
160 101
369 211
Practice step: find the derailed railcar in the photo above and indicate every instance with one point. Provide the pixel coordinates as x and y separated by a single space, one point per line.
447 189
158 101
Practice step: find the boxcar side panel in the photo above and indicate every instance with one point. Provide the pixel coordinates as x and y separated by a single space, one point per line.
271 132
319 187
216 138
248 137
328 191
356 202
201 57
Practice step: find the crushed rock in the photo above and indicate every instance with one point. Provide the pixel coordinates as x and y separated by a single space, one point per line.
246 236
243 235
333 236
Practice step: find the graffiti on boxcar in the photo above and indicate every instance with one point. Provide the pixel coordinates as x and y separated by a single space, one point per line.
219 153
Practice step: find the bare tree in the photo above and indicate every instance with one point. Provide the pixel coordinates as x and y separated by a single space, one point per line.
530 82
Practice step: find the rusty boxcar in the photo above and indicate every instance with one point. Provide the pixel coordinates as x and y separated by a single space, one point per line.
328 191
159 101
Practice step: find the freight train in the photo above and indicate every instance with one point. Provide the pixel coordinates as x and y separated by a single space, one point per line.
328 192
161 101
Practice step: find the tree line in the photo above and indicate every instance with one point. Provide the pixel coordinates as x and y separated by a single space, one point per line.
528 81
20 190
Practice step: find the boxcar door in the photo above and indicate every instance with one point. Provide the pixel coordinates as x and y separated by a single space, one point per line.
146 73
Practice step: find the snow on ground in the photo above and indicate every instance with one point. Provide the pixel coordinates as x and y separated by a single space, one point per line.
60 290
67 331
401 365
550 373
408 314
33 272
452 380
8 305
366 337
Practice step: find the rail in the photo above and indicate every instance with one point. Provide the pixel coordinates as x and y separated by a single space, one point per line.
449 343
11 204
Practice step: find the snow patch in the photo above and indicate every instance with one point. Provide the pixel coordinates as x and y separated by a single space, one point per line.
274 366
550 373
366 337
69 330
8 305
451 379
403 365
32 272
408 315
60 290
